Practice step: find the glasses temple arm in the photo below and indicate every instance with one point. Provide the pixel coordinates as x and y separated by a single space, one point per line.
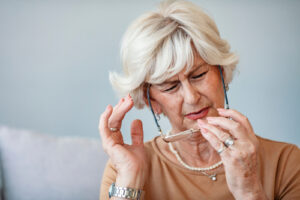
150 105
224 88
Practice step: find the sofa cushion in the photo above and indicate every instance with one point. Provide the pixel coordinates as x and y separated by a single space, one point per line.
41 167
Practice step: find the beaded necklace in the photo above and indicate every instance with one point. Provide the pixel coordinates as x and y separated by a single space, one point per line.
213 177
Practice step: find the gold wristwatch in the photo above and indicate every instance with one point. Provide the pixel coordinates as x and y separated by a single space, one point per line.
124 192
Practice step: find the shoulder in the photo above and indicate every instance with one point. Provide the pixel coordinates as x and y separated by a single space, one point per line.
281 169
151 145
276 148
279 153
152 150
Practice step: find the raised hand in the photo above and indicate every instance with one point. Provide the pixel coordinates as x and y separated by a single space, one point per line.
130 161
239 157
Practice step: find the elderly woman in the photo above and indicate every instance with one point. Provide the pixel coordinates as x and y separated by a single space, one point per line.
176 63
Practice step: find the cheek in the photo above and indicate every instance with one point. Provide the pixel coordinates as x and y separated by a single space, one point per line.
172 107
213 90
218 95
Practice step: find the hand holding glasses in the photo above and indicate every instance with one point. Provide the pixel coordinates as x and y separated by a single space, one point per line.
183 134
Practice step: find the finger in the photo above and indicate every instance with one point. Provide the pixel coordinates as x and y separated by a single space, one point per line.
221 135
137 134
103 122
236 116
119 103
119 112
233 127
116 107
214 141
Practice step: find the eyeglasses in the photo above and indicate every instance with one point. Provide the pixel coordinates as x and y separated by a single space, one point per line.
184 134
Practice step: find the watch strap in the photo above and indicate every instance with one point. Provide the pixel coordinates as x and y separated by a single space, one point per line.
125 192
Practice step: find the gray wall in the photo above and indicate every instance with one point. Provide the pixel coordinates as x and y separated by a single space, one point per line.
55 57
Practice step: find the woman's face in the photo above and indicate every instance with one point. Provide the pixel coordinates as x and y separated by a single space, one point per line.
186 97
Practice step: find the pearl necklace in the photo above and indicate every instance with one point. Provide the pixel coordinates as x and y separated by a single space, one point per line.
200 169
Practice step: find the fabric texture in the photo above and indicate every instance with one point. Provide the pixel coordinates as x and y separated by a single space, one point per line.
279 169
41 167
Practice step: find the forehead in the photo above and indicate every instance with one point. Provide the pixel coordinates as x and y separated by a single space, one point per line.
197 64
167 66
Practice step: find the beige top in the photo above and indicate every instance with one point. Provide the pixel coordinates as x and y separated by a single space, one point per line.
279 169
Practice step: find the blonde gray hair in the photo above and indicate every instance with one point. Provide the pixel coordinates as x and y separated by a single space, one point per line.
159 44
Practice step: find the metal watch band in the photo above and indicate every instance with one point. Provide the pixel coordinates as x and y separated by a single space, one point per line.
124 192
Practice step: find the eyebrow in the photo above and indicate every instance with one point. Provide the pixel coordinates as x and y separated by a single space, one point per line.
190 72
196 68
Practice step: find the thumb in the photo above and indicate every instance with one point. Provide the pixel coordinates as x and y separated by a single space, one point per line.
137 134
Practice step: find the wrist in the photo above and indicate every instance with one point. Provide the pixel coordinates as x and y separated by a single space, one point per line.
257 195
134 181
116 192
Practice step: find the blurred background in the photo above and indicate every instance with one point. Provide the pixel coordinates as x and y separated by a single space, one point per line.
55 57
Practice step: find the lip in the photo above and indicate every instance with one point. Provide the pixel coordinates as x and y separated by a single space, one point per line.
198 115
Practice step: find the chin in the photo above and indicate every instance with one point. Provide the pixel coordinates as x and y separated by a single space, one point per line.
196 137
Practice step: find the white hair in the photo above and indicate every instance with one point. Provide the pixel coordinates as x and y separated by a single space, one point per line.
159 44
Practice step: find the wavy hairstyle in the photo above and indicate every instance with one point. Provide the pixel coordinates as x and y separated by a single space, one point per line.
161 43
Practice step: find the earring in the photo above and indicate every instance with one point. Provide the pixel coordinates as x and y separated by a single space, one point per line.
157 116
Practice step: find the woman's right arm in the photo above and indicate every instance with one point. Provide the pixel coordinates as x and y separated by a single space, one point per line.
129 161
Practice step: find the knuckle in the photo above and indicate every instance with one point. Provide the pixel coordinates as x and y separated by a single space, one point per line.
252 149
102 117
234 157
106 144
239 156
233 111
100 126
243 155
223 136
236 126
244 118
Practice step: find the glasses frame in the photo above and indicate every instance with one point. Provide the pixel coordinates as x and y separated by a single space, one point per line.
183 134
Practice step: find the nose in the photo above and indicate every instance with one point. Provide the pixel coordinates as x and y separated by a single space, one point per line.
190 94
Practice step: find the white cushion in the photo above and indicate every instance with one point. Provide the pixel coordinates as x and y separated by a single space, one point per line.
41 167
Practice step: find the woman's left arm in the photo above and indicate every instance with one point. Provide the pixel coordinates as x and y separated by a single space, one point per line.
240 159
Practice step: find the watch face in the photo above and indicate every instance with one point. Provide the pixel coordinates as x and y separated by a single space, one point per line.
111 190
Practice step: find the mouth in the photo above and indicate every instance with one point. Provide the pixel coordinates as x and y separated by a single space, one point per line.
198 115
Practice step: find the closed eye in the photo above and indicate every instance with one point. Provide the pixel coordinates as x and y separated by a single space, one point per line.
171 88
199 76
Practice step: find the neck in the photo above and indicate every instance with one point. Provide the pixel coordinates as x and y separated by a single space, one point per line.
197 153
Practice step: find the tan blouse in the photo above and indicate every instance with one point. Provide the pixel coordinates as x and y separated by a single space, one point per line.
279 170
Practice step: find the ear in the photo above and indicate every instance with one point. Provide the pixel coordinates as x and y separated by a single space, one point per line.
155 105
